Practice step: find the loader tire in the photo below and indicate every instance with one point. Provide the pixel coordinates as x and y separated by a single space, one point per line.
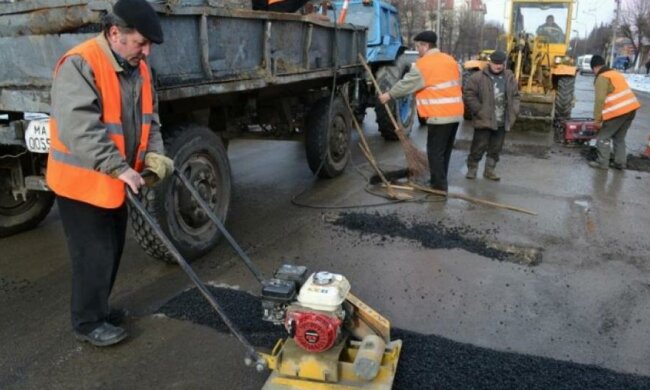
564 97
403 109
200 155
23 214
328 147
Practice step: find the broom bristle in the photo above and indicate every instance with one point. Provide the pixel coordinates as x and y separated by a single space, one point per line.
416 159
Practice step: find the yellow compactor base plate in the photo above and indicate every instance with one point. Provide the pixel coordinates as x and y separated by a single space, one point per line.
295 369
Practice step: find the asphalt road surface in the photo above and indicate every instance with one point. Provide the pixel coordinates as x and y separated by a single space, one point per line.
584 300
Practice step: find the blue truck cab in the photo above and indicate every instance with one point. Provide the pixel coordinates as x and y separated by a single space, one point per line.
386 54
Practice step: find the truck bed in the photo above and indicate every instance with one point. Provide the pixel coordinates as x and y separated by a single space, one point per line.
208 50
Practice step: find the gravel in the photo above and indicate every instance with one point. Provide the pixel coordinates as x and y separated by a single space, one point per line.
434 235
427 361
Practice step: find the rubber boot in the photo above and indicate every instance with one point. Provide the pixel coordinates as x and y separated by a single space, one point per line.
472 169
489 173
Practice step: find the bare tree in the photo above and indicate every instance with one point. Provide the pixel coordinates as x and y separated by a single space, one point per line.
635 23
412 19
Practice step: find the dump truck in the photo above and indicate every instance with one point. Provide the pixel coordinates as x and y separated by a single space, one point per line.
537 48
280 76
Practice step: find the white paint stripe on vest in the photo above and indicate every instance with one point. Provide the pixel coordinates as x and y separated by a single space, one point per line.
619 105
448 100
446 84
618 95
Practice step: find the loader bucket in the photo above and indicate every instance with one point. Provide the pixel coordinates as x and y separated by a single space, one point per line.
536 112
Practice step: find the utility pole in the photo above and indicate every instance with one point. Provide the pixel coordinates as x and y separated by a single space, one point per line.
618 14
438 22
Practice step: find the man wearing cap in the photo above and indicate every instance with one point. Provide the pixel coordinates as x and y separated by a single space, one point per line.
614 110
105 130
435 78
551 31
492 97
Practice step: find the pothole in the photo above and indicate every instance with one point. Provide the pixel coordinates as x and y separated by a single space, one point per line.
436 235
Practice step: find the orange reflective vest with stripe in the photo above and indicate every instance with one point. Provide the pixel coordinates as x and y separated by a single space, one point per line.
622 100
67 174
442 96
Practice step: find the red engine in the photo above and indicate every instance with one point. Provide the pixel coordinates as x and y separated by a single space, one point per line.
313 331
578 130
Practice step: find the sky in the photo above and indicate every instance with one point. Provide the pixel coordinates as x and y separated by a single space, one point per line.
589 13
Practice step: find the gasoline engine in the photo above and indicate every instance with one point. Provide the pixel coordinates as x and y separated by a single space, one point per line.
335 340
314 319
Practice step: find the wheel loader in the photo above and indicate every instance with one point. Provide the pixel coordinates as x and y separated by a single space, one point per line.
536 43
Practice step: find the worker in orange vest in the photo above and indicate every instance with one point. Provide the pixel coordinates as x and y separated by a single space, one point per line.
614 110
104 130
436 81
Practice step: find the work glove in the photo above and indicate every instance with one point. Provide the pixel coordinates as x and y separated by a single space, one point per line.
161 165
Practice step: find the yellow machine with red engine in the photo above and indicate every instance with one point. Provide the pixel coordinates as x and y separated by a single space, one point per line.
335 341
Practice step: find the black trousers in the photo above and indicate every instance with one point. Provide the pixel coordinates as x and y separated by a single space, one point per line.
486 140
440 142
95 239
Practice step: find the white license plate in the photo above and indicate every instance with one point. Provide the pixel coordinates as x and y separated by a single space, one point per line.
37 136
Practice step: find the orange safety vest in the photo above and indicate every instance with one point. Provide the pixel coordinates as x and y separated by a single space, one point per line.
622 100
68 175
442 96
275 1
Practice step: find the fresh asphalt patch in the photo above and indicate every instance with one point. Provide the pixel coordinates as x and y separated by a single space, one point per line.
436 235
426 362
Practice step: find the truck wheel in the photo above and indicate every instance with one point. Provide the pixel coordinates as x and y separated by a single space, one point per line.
564 97
200 155
328 149
20 215
403 109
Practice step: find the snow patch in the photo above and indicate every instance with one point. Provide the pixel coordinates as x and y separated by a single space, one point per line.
638 82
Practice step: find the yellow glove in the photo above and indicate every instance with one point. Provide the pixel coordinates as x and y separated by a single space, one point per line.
159 164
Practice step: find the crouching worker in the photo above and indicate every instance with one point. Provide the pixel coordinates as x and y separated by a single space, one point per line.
492 96
104 131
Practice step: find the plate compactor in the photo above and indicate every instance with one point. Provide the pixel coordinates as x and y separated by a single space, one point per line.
335 341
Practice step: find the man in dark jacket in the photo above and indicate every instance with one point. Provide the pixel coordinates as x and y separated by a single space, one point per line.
492 96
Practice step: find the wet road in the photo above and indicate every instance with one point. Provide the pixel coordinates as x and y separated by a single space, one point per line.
585 302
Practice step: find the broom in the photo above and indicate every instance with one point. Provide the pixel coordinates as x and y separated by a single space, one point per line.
416 160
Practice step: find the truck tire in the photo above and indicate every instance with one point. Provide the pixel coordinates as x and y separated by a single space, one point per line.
403 109
564 97
200 155
20 215
328 149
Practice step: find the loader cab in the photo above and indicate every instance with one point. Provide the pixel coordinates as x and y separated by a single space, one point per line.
384 36
549 21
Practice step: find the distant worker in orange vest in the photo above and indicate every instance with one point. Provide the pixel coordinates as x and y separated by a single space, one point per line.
436 81
614 110
104 130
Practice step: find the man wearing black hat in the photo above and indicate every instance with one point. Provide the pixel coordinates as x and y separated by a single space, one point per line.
435 80
492 97
104 130
614 110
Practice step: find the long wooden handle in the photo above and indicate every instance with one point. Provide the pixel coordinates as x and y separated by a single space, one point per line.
470 199
398 128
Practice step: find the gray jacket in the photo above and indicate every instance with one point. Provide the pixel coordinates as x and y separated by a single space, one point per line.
77 108
478 95
412 82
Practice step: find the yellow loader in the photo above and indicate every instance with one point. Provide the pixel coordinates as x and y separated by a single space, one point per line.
536 43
